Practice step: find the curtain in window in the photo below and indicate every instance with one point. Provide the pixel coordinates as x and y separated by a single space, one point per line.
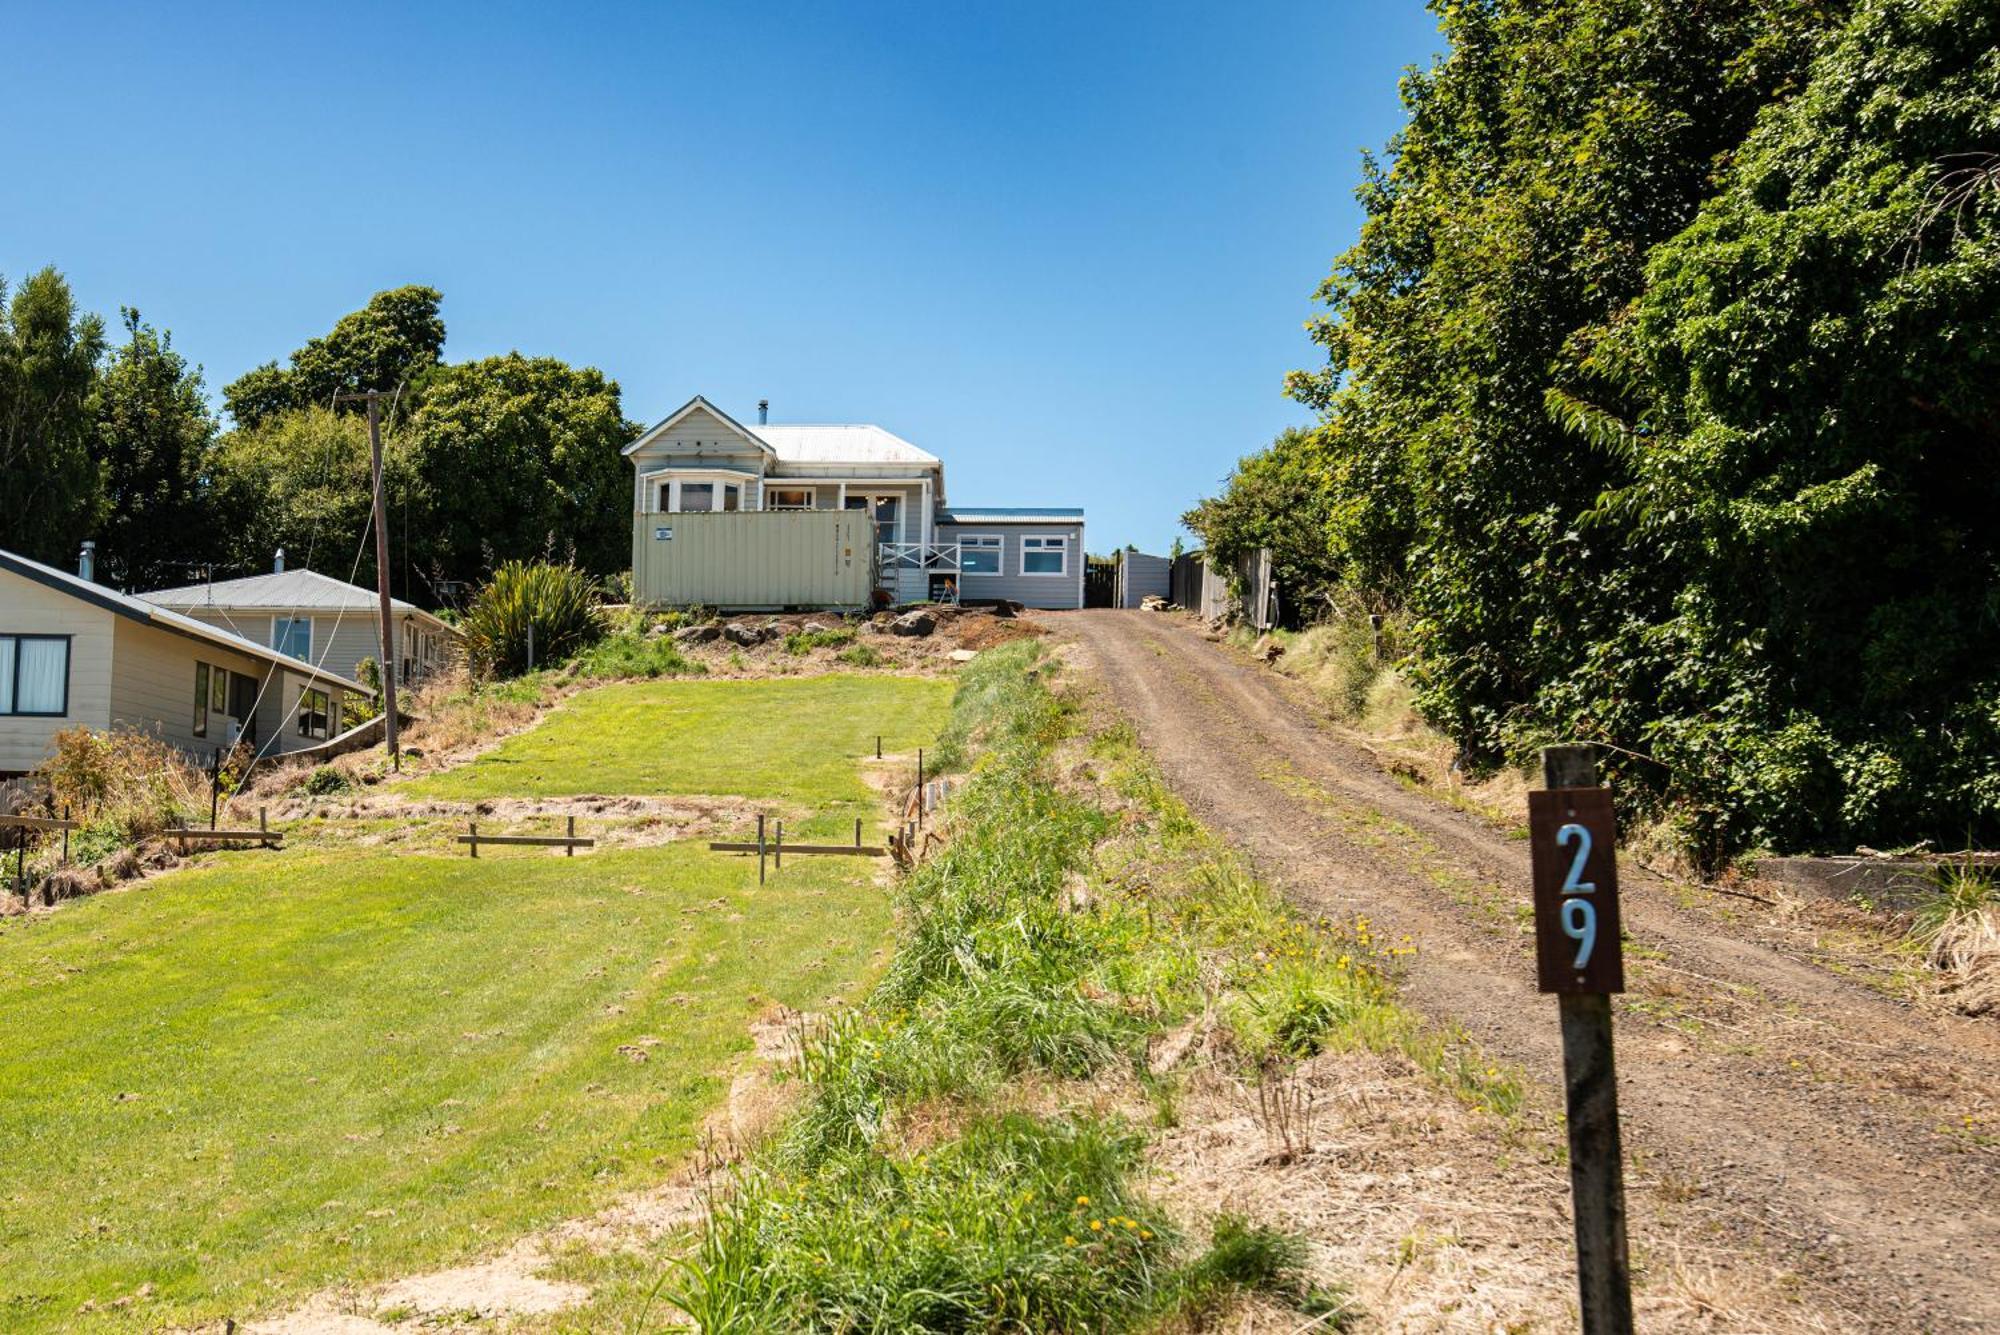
44 677
698 497
6 674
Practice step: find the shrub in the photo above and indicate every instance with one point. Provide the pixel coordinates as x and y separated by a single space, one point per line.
805 641
325 781
558 602
634 654
861 656
131 781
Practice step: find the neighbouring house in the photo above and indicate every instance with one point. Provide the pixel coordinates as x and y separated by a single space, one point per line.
76 654
795 515
316 618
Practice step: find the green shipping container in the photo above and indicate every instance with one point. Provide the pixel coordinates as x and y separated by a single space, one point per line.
754 559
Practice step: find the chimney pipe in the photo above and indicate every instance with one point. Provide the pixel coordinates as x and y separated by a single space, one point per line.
278 563
86 561
763 412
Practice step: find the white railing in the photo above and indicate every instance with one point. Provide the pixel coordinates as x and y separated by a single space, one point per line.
939 557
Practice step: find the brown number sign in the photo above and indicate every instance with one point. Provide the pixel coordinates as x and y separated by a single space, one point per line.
1572 837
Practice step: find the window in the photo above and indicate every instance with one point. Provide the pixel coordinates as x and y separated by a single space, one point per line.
789 498
1045 556
34 675
731 495
201 699
218 691
313 712
293 636
698 496
979 553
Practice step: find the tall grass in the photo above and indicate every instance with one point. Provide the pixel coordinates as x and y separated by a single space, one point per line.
1958 927
913 1190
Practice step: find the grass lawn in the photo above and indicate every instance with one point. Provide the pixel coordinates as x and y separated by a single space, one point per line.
797 739
279 1072
250 1081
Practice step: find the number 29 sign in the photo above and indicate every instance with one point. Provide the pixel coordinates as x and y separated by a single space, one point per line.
1572 838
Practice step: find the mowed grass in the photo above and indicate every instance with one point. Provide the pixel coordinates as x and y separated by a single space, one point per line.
797 739
248 1082
278 1073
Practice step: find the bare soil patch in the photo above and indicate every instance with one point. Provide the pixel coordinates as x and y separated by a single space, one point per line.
1787 1112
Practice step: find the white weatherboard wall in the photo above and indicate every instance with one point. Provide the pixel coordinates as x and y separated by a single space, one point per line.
27 608
766 559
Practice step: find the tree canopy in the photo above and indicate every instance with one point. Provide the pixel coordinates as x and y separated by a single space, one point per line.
387 345
51 488
1660 396
153 433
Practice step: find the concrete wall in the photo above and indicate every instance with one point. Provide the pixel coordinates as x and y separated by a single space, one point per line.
1048 591
802 558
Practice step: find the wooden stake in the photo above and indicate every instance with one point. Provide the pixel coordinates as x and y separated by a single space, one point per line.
569 850
1590 1081
263 825
760 848
778 856
472 834
857 832
920 787
878 746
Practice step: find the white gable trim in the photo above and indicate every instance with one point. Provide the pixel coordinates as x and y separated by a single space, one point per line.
697 402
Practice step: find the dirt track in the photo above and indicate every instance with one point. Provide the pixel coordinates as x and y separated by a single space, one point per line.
1809 1116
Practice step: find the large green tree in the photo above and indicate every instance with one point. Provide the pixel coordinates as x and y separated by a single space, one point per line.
387 345
1277 498
153 433
51 488
518 457
1658 390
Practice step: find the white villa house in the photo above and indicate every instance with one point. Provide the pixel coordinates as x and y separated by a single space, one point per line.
794 515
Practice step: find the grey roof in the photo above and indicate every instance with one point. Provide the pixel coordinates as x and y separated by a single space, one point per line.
285 589
1010 514
149 614
856 443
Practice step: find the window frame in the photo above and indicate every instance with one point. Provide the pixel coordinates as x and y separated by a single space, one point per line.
811 495
9 707
203 684
1039 542
300 714
277 641
985 542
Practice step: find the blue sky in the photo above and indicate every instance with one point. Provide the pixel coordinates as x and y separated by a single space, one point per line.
1067 247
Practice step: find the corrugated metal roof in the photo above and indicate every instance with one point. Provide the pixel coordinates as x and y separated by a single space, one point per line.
857 443
283 589
137 609
1002 514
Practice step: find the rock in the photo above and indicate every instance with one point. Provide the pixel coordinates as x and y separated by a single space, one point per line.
814 628
873 628
704 633
963 655
1267 650
920 622
67 883
746 636
1006 608
1153 602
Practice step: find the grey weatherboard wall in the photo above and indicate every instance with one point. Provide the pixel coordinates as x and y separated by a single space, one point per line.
1046 591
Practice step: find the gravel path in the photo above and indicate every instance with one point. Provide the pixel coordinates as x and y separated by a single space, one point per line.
1820 1119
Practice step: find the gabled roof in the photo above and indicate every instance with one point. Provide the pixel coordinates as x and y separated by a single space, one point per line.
284 589
147 614
668 422
804 443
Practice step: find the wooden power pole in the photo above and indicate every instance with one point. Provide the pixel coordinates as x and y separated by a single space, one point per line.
373 398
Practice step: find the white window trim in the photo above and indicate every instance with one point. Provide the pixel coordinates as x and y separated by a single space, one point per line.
311 632
1045 538
994 542
665 488
811 492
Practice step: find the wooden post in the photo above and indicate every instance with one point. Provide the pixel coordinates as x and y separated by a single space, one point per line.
184 838
263 827
214 782
920 787
569 850
760 848
21 864
472 831
857 831
1590 1072
878 746
65 817
778 856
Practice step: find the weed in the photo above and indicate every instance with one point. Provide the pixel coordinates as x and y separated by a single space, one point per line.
1958 927
325 781
630 654
801 642
861 656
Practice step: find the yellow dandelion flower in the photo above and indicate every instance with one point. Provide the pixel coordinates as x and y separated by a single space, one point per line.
1069 1241
1096 1225
1146 1233
1083 1200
